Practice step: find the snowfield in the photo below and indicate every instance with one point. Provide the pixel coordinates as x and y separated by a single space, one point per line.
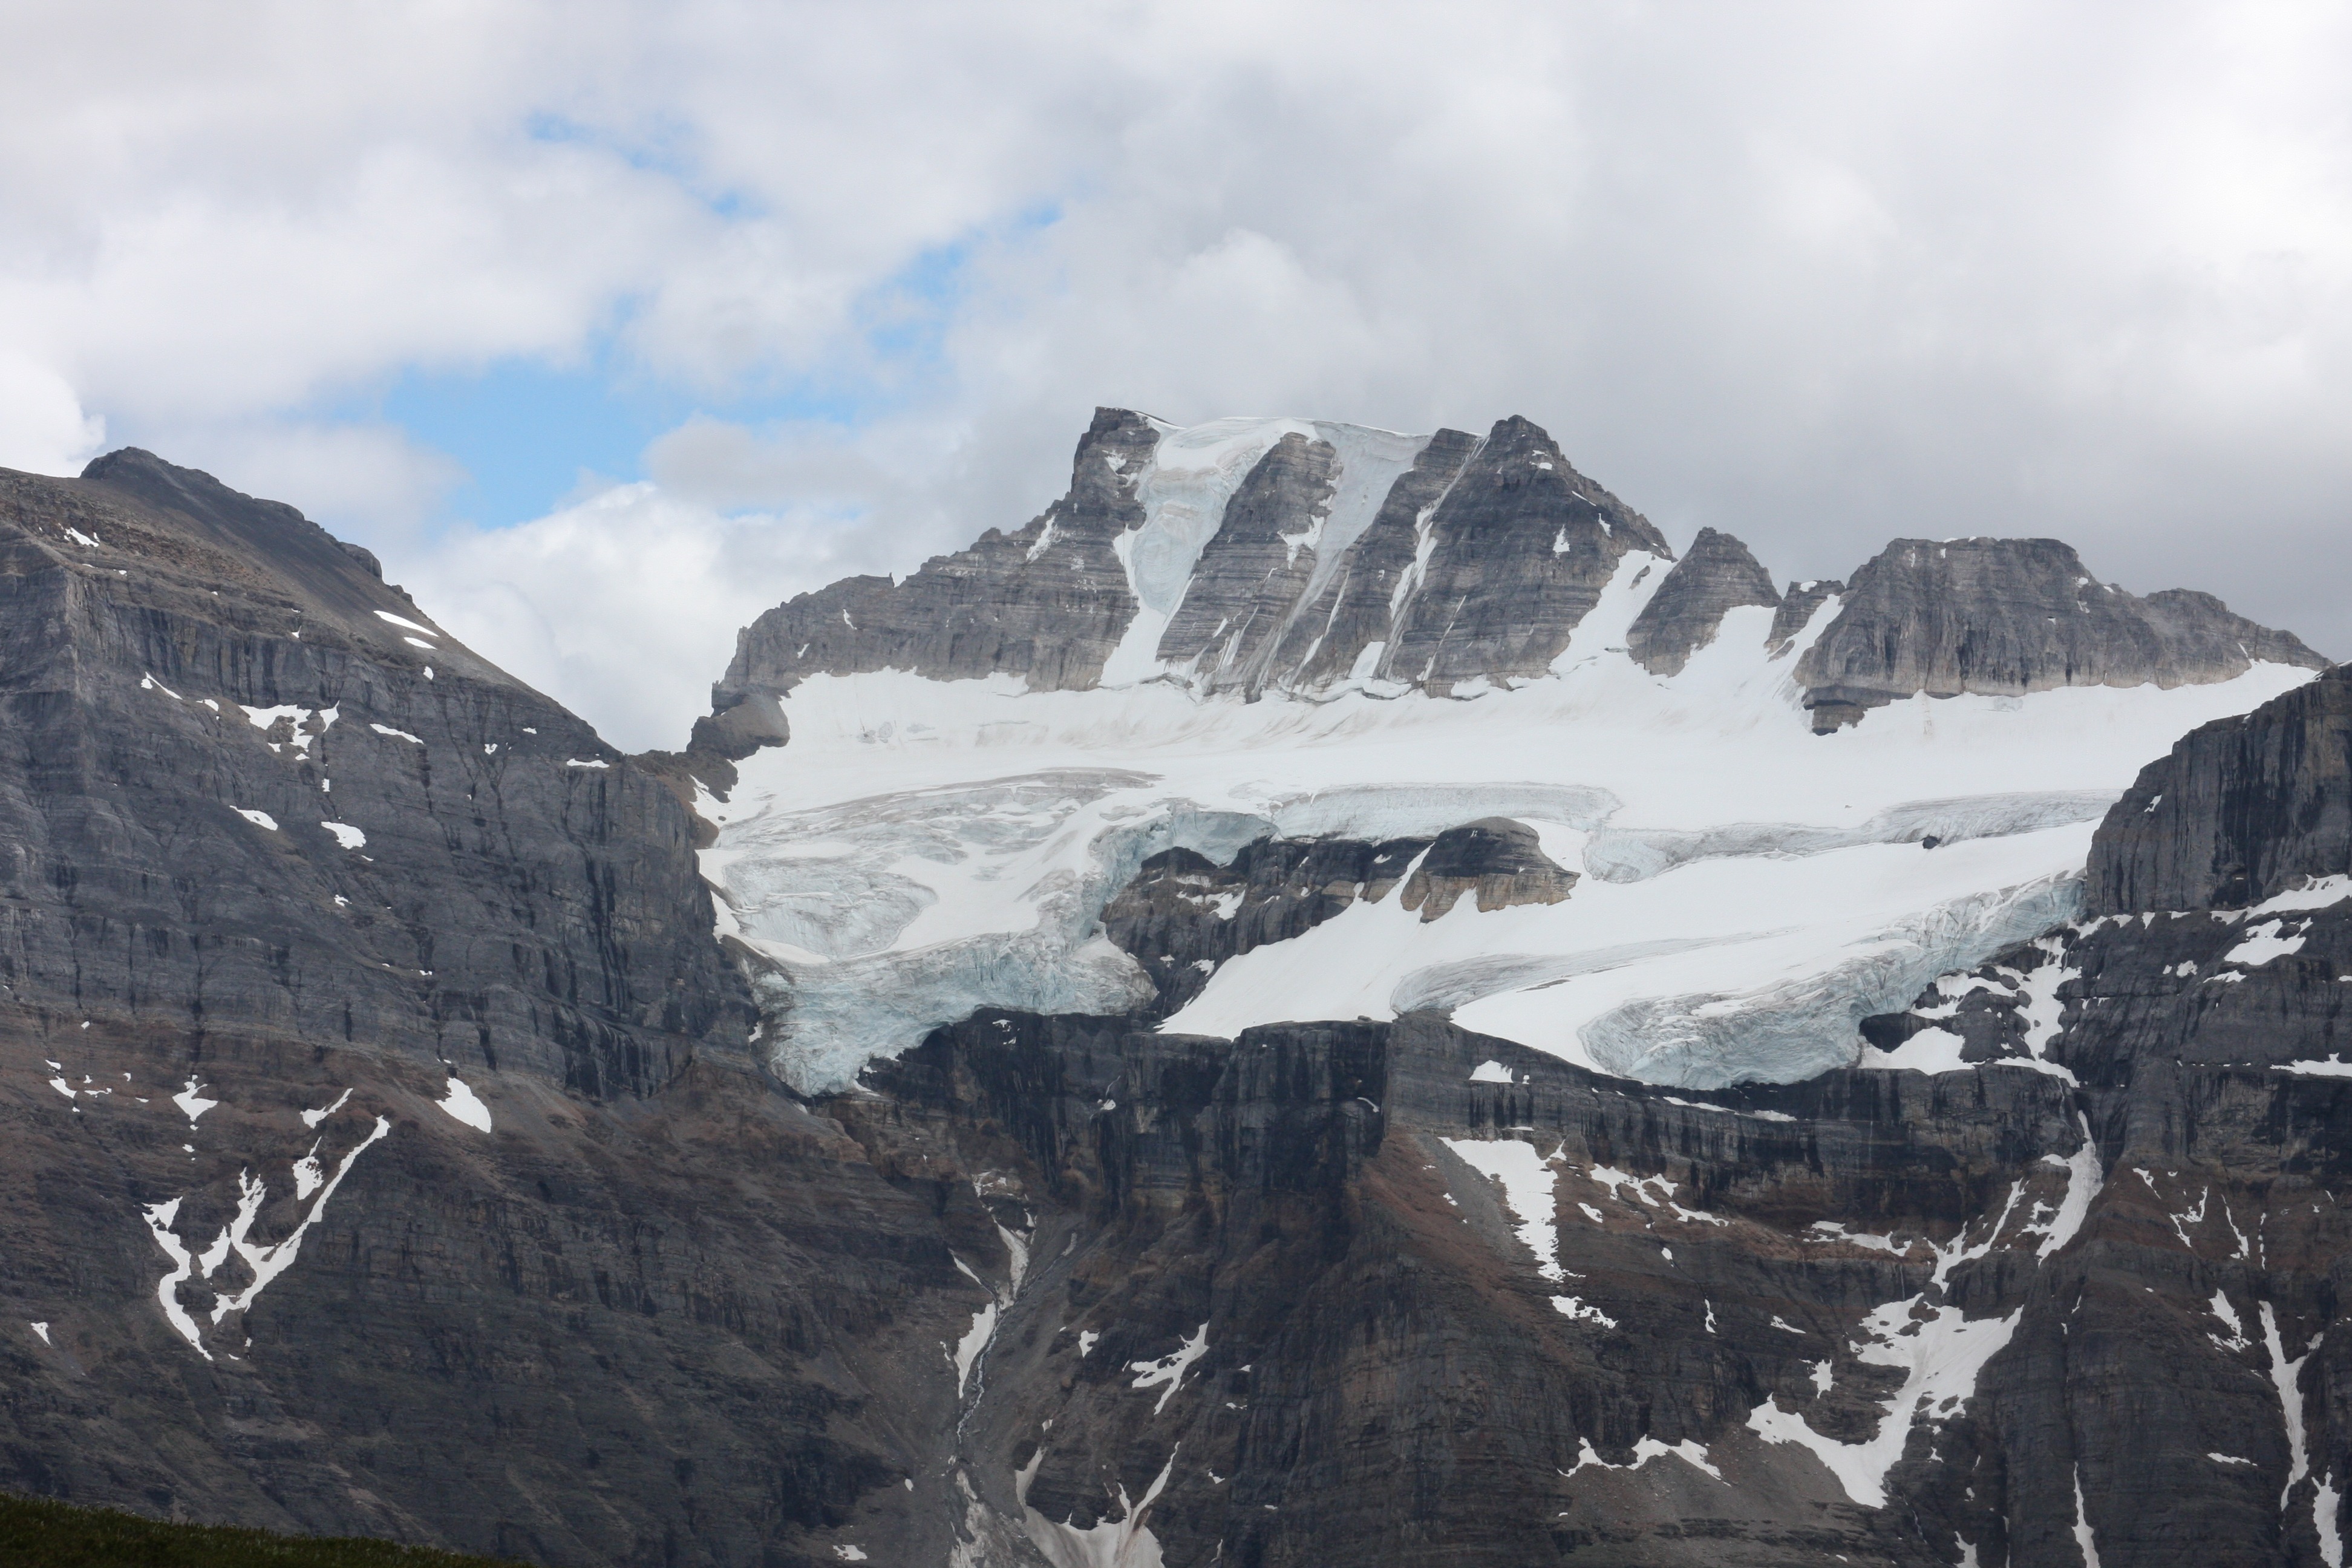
1748 889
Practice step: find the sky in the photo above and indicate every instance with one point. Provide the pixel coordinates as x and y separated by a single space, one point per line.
609 325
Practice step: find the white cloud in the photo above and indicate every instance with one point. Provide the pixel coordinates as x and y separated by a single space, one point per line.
1818 274
624 606
43 429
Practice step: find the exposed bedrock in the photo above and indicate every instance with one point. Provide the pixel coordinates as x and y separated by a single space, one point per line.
1255 1293
1798 608
1253 571
252 788
384 1152
2007 616
1184 914
1047 602
2205 1011
1716 575
1355 606
1519 551
1495 858
2241 811
1468 558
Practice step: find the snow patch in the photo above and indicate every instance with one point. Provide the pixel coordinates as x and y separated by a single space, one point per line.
265 1263
2262 943
1689 1450
312 1117
1170 1369
406 622
191 1104
463 1103
1526 1181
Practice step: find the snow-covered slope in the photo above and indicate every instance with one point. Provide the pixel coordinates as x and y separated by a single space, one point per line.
1750 889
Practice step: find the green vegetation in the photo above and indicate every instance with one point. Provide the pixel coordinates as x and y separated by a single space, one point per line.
38 1533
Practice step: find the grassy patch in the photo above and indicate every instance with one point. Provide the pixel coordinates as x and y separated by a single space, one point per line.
38 1533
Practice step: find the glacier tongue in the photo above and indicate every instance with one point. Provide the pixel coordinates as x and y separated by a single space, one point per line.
922 848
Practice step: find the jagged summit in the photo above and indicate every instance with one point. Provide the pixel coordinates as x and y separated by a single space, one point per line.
1302 558
2007 616
1249 554
1718 575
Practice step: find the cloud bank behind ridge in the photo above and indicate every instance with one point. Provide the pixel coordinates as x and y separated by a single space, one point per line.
802 289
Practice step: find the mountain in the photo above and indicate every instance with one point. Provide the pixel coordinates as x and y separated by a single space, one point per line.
385 1150
1327 1000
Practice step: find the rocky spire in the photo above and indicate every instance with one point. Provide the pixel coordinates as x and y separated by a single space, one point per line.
1718 575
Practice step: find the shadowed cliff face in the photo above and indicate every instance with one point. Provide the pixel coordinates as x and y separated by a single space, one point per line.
1716 576
387 1154
383 1155
2239 813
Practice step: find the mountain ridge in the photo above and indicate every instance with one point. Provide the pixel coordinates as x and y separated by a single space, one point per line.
1487 553
1553 1110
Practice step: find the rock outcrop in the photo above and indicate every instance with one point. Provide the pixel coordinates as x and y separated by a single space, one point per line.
1474 559
2007 616
1519 549
2239 813
1183 914
1047 602
1797 607
1717 575
1494 860
384 1150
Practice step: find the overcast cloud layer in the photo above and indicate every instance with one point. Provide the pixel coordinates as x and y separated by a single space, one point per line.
1817 274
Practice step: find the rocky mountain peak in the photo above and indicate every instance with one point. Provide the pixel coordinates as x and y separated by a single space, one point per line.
2007 616
1715 577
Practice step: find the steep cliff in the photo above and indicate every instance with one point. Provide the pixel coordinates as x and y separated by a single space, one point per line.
384 1150
2012 616
1460 1105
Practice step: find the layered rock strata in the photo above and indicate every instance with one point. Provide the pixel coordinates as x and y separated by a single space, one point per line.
1718 574
386 1153
1494 861
2007 616
1047 602
1476 559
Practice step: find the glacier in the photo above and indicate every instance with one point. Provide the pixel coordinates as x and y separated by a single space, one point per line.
922 848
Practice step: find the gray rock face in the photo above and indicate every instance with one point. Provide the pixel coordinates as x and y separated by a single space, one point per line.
1254 569
1047 602
1520 548
1715 577
1494 860
2200 1311
2012 616
1329 633
2239 813
1478 559
281 861
1798 606
1184 914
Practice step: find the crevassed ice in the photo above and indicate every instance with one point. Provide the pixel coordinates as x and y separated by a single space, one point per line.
1749 890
